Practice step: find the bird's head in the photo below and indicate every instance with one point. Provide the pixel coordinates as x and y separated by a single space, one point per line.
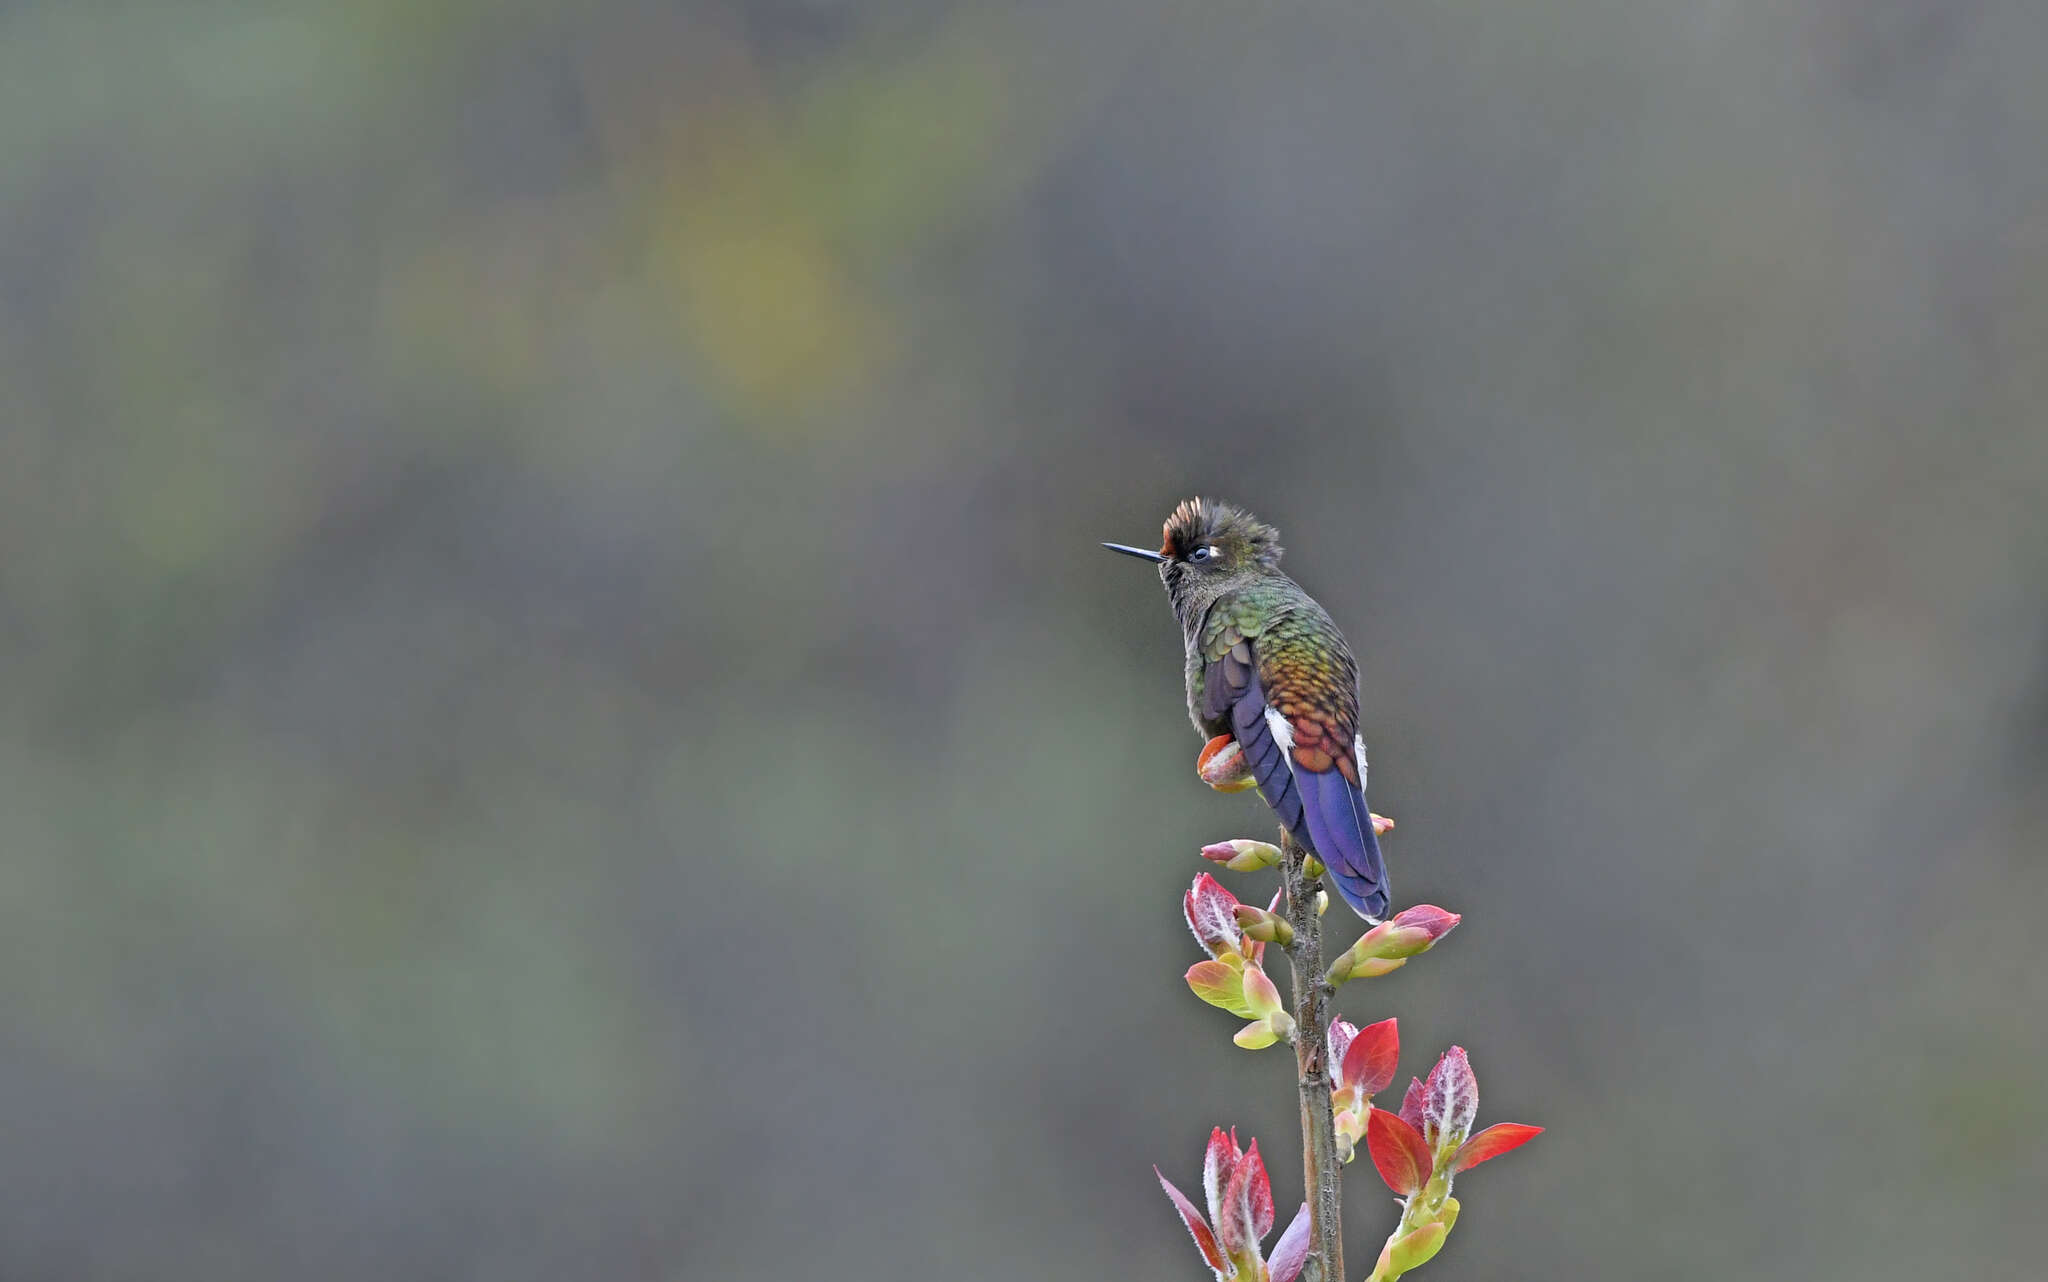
1207 548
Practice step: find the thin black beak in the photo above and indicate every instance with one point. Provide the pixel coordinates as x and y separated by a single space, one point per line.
1140 553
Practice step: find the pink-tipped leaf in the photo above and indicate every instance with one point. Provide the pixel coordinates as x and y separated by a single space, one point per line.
1211 913
1221 985
1205 1241
1342 1031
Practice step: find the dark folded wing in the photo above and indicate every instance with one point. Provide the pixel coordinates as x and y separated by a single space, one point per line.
1268 761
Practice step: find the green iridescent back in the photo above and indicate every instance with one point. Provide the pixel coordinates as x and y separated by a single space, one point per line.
1302 660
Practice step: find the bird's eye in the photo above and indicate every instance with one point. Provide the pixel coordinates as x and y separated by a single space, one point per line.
1202 554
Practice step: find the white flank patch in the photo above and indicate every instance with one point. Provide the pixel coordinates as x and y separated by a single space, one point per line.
1283 734
1358 746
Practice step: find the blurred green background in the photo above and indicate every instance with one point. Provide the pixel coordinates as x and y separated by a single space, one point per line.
563 718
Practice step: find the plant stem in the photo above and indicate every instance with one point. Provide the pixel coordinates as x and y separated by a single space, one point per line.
1320 1169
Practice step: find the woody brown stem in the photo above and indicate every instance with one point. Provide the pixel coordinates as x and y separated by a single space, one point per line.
1320 1169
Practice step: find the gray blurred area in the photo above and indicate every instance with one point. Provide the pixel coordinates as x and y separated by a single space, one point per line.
561 716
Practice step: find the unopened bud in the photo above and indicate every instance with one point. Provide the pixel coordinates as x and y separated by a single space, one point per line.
1266 927
1351 966
1410 932
1242 854
1350 1127
1278 1026
1417 1248
1222 766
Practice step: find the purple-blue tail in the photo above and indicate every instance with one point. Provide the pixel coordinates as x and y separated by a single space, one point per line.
1340 832
1324 810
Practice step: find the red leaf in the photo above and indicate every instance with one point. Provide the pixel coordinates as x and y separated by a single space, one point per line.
1491 1143
1411 1103
1234 1218
1369 1061
1397 1151
1205 1241
1261 1189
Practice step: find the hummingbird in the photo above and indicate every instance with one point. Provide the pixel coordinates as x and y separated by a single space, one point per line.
1266 666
